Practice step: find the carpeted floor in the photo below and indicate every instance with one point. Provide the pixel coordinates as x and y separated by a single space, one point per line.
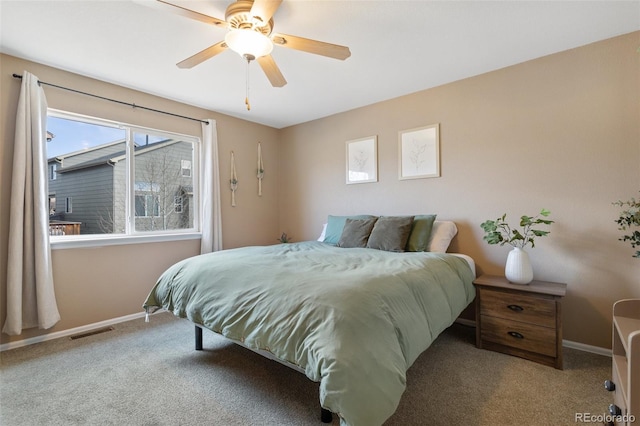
149 374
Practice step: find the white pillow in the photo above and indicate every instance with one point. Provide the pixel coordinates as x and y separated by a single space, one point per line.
441 235
323 233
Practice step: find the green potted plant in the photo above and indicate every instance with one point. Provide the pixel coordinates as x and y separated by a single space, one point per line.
284 238
630 218
518 268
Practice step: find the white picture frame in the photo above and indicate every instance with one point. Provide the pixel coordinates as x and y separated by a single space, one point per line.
362 160
419 152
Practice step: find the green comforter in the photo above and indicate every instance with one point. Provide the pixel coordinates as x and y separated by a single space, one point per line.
352 319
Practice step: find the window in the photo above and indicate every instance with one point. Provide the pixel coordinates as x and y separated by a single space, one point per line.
185 167
120 179
52 171
52 204
147 205
177 204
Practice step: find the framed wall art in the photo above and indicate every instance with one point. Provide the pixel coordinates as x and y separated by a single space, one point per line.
419 152
362 160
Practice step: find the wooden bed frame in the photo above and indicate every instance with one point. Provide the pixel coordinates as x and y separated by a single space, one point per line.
325 415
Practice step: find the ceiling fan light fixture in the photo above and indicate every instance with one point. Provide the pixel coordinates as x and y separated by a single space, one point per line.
248 43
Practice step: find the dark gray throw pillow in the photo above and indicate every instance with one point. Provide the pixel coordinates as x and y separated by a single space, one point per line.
390 233
356 232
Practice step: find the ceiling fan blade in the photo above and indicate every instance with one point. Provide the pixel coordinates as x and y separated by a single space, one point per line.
203 55
272 71
167 6
312 46
265 9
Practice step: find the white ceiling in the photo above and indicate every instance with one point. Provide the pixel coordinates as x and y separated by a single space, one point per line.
397 47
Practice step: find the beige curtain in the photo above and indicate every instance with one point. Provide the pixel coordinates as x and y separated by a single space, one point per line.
210 190
31 299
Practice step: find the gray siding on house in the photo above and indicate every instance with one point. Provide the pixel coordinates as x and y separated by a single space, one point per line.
91 192
97 187
158 173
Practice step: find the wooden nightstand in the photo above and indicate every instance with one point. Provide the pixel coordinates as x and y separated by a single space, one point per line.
520 320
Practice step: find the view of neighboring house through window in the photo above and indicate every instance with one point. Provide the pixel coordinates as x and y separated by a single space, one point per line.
118 179
159 178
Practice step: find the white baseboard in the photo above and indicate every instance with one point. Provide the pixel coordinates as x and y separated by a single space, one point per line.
69 332
565 343
586 348
466 322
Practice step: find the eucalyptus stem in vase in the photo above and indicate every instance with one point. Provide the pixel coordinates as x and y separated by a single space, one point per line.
518 268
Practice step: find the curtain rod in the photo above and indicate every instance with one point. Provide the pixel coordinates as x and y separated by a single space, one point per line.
117 101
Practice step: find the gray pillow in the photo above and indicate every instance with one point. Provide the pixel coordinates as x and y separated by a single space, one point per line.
421 232
356 232
335 226
391 233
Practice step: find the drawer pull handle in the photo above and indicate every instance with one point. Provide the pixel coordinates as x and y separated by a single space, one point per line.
609 385
615 410
516 308
515 334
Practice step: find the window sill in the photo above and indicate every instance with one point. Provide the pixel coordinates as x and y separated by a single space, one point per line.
88 241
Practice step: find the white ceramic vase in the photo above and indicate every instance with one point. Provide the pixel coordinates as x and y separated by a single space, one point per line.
518 269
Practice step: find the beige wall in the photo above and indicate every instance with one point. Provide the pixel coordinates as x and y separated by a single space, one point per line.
560 132
98 284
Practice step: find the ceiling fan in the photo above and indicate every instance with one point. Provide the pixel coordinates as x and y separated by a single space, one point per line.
250 26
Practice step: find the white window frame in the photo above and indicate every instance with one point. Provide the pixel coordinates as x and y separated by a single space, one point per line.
68 205
131 236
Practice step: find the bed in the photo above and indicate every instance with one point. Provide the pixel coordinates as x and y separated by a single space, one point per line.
353 319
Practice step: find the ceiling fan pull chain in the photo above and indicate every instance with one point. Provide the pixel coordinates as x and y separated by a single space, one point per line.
246 99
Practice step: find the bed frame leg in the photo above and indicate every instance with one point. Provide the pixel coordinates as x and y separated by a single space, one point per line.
198 338
325 415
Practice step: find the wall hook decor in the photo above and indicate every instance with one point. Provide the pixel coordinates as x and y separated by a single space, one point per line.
233 182
260 170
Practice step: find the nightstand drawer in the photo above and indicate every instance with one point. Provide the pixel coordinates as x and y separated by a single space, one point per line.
519 335
518 307
618 398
